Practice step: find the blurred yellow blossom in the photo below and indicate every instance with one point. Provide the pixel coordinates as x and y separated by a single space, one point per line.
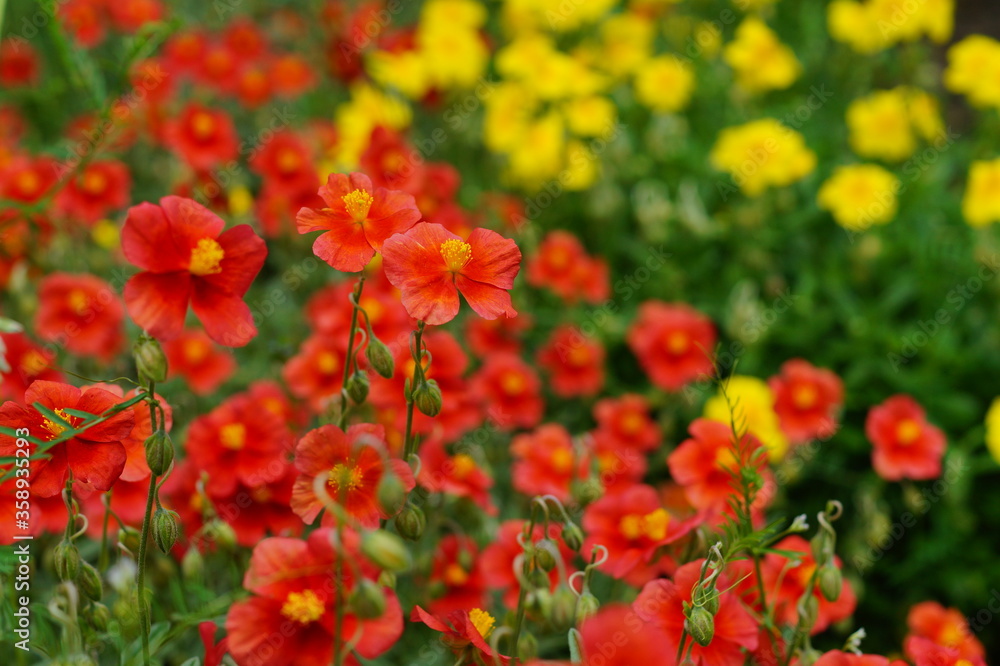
627 39
752 407
974 70
981 205
880 126
762 154
860 195
874 25
760 60
590 116
993 429
367 108
664 84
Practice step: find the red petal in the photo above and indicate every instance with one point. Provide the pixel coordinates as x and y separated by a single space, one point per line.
245 253
190 222
52 394
344 247
487 301
97 464
414 264
495 259
48 479
158 302
321 449
116 428
380 634
147 240
227 319
392 212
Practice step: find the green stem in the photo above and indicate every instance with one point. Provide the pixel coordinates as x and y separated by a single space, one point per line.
417 371
342 420
143 540
3 10
102 560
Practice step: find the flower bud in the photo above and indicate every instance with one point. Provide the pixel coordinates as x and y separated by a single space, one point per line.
150 359
387 579
90 581
822 546
192 564
701 625
164 529
67 560
808 617
427 397
410 522
527 647
387 551
391 493
544 559
380 358
357 387
572 535
587 491
586 606
129 537
368 600
98 616
222 532
830 582
159 452
563 608
707 597
539 580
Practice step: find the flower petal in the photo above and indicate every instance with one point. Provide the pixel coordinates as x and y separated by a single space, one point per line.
190 221
488 301
96 464
392 212
157 302
226 318
495 260
245 253
344 247
147 240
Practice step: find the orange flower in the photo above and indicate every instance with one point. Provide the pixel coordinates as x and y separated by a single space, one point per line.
203 137
946 627
357 220
906 445
81 312
575 362
806 400
431 265
672 342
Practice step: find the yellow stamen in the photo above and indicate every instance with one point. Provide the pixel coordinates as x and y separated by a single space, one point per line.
196 350
94 182
804 397
631 423
32 363
579 356
907 432
726 459
358 203
678 342
303 607
78 301
327 363
288 161
513 383
233 436
206 257
56 428
28 182
342 475
454 575
562 460
456 254
482 621
203 125
653 525
464 465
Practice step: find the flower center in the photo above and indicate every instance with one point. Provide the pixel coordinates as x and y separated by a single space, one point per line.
579 356
678 342
205 257
726 459
303 607
233 436
455 575
653 525
195 350
482 621
358 203
341 476
327 363
562 460
56 428
804 396
78 301
951 636
907 432
513 383
631 423
28 182
456 254
288 161
94 182
203 125
464 465
33 363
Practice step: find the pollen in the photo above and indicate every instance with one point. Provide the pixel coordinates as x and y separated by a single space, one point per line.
456 254
653 525
358 203
206 257
78 301
562 460
579 356
340 475
804 397
482 621
303 607
233 436
28 182
203 125
56 428
907 432
678 342
327 363
288 161
631 423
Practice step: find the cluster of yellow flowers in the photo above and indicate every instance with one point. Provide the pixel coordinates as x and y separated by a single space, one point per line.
760 60
761 154
874 25
886 124
974 70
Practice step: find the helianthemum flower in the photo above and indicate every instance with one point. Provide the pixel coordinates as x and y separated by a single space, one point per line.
357 220
431 265
186 257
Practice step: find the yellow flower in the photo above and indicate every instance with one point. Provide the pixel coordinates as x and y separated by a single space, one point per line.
508 111
590 116
939 19
540 155
457 13
664 84
367 108
627 39
993 430
454 57
582 167
859 196
925 113
762 154
403 71
753 407
874 25
981 204
240 200
850 23
880 126
760 60
974 70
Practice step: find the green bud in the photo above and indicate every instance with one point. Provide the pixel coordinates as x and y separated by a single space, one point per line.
367 601
822 546
700 624
90 581
410 522
164 529
707 597
222 532
380 358
387 551
192 564
357 387
830 582
539 580
808 619
67 561
572 535
159 452
129 537
427 397
544 559
527 647
586 606
98 616
387 579
150 359
563 608
391 493
585 492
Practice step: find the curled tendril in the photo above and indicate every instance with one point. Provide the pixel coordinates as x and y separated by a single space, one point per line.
570 582
495 642
518 566
604 556
85 523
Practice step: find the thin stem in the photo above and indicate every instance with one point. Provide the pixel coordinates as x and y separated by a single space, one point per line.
143 539
342 421
417 371
102 560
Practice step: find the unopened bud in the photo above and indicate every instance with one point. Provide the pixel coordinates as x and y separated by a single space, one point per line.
539 580
527 647
150 359
67 561
391 493
98 616
810 613
701 625
586 606
585 492
707 597
164 529
222 532
822 546
572 535
563 608
357 387
129 537
192 564
368 600
410 522
159 452
387 551
380 358
387 579
544 559
90 582
427 397
830 582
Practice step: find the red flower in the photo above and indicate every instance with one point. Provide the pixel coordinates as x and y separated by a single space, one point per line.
511 390
276 209
357 220
945 626
238 442
616 636
286 165
906 445
353 465
317 371
486 336
214 652
618 467
18 63
633 526
626 421
499 558
245 39
253 88
458 570
187 257
185 51
575 361
258 511
84 20
673 343
455 474
27 180
465 632
82 313
204 137
806 399
431 266
546 463
130 15
290 75
563 265
217 68
102 187
27 362
294 587
838 658
95 456
136 467
661 603
926 652
193 356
